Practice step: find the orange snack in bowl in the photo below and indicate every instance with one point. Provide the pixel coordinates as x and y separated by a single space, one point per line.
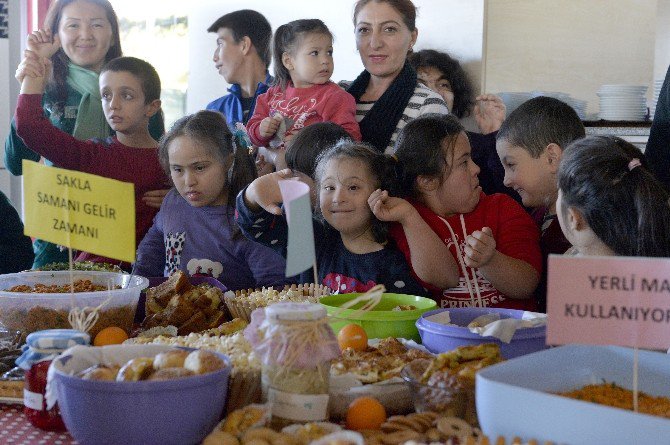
365 413
112 335
352 336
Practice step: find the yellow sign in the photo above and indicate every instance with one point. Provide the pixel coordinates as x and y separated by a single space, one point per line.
79 210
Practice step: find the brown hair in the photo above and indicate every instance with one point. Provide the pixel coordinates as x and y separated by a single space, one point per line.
57 87
420 151
210 129
404 7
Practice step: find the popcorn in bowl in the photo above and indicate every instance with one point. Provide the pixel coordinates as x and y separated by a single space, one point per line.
242 303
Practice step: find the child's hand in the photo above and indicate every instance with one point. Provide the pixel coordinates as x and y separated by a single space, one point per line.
154 198
37 83
264 192
31 66
489 113
263 167
270 125
389 208
480 247
43 43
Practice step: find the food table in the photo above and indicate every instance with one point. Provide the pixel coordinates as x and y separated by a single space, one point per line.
16 430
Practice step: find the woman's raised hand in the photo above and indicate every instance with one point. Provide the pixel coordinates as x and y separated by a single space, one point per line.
490 112
42 43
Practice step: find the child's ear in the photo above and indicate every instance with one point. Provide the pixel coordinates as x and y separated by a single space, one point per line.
576 220
554 154
286 61
153 107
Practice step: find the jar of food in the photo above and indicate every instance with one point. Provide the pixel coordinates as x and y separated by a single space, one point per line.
295 344
40 349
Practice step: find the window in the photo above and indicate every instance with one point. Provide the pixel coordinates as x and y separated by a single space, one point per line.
157 31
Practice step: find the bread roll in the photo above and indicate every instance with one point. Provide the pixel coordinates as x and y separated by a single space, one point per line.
202 362
170 374
99 372
136 369
170 359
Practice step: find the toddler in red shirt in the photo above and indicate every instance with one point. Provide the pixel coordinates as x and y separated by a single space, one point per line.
303 92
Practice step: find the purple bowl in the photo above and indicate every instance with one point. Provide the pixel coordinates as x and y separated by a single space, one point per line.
438 338
180 411
155 281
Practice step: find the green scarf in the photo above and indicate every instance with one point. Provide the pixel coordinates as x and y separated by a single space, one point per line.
91 122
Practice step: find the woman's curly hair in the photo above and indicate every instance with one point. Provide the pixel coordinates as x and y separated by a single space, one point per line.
453 72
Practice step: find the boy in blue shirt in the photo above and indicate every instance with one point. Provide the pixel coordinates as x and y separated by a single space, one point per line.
242 57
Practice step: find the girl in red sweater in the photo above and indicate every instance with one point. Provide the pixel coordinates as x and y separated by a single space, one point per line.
494 243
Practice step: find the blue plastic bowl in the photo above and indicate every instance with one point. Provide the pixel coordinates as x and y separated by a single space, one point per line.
438 338
180 411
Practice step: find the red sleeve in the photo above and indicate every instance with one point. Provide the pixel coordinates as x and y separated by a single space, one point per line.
39 134
340 108
261 111
517 236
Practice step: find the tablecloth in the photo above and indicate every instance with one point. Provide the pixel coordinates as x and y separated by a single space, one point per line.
15 429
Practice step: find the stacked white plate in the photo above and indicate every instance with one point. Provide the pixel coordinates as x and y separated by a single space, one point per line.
513 100
658 84
623 102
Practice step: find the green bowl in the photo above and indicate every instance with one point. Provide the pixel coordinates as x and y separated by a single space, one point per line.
382 321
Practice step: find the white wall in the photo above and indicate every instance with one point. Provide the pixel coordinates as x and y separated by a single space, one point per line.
449 25
662 55
572 46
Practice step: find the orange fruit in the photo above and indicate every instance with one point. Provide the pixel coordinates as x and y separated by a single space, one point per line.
365 413
111 335
352 336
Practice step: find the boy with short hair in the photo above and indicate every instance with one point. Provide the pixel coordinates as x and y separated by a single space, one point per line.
530 144
242 57
130 89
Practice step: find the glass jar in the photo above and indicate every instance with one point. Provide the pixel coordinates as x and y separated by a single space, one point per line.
40 349
295 344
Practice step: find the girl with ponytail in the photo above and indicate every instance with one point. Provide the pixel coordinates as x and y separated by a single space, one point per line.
195 230
609 203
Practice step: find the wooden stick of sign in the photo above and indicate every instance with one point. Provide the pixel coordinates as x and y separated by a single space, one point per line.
635 378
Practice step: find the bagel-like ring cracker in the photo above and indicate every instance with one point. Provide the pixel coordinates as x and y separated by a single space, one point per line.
453 426
401 437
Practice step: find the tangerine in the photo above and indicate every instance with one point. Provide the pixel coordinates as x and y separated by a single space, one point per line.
352 336
365 413
112 335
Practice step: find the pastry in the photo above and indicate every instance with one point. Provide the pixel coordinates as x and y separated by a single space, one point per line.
136 369
100 372
170 374
202 362
170 359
